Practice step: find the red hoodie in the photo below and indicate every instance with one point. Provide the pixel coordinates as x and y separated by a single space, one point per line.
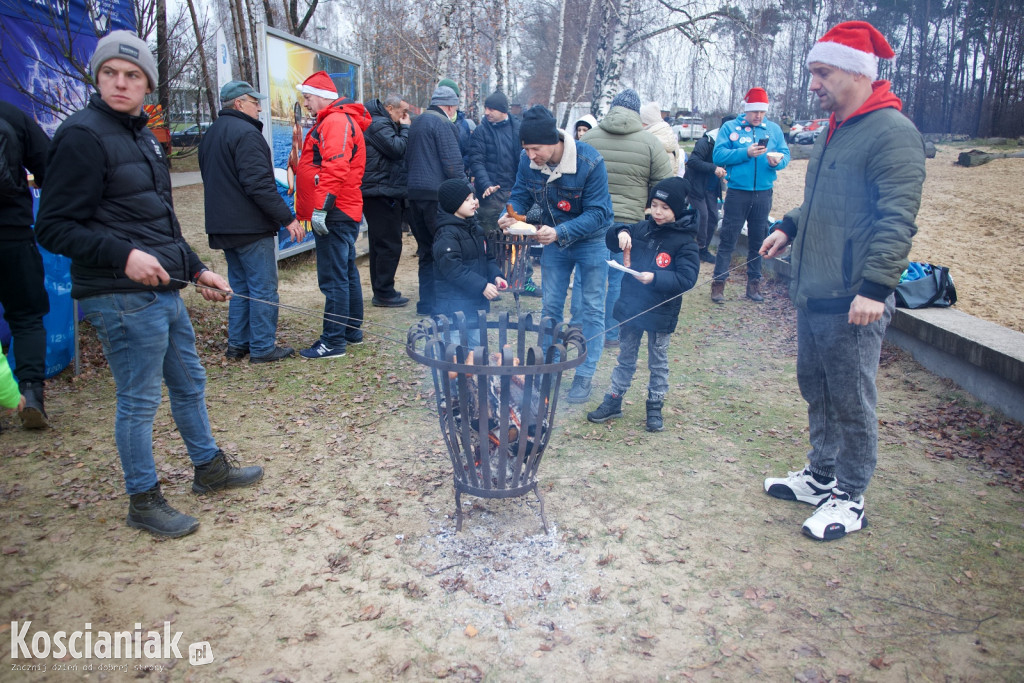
332 161
880 98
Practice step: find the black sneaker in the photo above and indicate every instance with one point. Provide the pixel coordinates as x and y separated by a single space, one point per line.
279 353
610 408
150 512
531 288
236 352
579 392
396 302
706 256
221 473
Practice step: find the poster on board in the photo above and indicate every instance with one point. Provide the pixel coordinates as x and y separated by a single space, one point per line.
285 63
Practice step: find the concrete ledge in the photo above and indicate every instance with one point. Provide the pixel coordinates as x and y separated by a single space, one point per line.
983 358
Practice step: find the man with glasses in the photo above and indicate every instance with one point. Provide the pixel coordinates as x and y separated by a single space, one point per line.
243 215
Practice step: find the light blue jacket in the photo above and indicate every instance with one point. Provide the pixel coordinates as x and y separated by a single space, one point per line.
574 199
749 173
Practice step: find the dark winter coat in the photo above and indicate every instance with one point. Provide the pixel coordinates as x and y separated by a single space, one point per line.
700 169
109 192
853 232
461 266
433 155
494 154
386 143
670 252
33 143
242 201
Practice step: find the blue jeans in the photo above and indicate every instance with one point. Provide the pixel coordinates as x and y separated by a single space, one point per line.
252 272
657 362
147 337
836 365
339 282
740 206
557 264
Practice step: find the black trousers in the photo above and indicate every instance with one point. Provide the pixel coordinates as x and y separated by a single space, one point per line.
25 302
384 230
423 222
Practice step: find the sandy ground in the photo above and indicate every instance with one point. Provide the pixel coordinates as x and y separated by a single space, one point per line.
970 221
665 560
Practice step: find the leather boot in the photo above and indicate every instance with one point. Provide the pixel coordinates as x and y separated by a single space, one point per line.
579 392
754 290
718 291
33 416
654 421
221 473
611 407
149 511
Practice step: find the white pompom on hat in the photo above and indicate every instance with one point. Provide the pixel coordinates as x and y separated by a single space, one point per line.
853 46
756 99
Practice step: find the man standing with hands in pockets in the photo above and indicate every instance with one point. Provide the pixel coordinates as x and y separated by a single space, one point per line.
851 237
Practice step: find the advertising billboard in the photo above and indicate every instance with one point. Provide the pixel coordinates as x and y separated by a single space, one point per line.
287 61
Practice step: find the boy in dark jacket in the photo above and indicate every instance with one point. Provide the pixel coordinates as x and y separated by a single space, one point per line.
467 279
663 249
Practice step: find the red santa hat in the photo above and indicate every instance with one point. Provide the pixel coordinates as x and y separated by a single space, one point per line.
756 99
319 84
853 46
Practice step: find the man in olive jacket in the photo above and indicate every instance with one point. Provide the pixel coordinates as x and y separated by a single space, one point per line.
244 213
636 162
851 237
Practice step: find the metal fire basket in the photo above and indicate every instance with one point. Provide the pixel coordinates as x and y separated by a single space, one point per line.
496 401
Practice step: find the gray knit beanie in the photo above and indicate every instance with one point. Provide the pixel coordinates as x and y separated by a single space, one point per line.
443 95
128 46
628 99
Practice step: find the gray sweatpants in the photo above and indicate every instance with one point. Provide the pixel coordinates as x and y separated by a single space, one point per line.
657 362
836 368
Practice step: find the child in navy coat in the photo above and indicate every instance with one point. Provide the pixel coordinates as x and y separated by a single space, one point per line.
663 251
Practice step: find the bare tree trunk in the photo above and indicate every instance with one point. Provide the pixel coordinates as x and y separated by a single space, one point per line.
163 58
245 68
575 84
211 100
445 39
558 55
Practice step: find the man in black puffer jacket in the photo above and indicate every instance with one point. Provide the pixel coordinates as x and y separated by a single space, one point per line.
704 187
494 152
22 289
244 213
383 188
108 207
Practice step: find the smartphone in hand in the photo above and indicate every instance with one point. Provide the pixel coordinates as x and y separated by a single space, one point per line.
763 142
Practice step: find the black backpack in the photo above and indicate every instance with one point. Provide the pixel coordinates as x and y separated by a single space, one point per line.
12 173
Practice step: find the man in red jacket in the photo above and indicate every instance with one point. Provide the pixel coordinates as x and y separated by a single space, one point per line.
328 195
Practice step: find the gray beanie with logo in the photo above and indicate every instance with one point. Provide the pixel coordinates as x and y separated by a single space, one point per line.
128 46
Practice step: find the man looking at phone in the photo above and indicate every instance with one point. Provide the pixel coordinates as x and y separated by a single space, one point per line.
751 149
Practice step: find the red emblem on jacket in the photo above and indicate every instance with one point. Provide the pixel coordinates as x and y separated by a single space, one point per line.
663 259
564 205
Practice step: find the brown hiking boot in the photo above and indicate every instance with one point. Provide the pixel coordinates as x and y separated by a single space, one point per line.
718 291
754 290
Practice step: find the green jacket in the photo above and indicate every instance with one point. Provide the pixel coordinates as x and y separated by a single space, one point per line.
853 232
10 395
635 159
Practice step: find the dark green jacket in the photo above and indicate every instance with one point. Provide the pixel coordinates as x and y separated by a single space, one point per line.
853 232
635 159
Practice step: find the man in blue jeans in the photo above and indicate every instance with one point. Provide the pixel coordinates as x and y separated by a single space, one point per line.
328 195
244 213
108 208
751 149
568 180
